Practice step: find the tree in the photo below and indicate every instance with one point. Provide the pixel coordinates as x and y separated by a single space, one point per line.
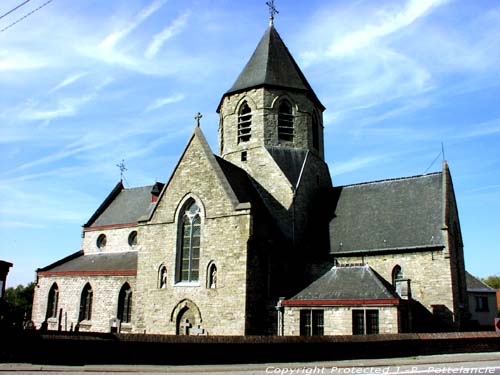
16 306
492 281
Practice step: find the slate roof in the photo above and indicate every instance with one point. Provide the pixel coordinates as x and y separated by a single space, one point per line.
353 283
115 263
476 285
388 215
289 160
272 65
122 206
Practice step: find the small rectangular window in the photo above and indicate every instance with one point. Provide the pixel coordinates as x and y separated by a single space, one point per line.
482 304
243 156
311 323
365 322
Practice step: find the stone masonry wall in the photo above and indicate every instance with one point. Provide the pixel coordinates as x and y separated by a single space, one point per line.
224 236
338 320
104 301
264 103
116 240
275 189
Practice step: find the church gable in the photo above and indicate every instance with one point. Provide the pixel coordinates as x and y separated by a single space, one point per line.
198 173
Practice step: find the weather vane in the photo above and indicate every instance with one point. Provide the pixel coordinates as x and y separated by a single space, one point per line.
122 169
198 118
272 11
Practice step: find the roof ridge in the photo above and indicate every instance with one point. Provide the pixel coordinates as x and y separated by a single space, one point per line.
390 179
138 187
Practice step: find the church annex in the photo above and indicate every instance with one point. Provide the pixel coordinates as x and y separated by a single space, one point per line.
263 243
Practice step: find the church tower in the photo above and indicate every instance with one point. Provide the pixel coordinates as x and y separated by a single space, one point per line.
271 125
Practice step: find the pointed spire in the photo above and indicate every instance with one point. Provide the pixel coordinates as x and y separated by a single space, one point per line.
272 65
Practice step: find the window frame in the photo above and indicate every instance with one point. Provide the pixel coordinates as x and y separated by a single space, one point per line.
52 302
244 122
286 122
125 299
133 238
365 322
189 243
86 299
101 241
482 304
312 322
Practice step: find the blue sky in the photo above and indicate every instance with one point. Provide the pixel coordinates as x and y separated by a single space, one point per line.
87 83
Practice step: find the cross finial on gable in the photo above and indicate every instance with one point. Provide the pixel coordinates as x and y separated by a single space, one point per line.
272 11
198 118
122 168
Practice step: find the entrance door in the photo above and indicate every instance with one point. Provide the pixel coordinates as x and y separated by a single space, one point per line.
185 321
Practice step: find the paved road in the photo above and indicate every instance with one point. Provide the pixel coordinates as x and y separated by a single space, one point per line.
477 363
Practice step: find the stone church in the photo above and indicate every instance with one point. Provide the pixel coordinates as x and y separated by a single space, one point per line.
263 244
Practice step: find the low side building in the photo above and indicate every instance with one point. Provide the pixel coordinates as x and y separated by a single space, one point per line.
482 302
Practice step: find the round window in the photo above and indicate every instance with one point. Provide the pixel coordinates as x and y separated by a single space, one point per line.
101 241
132 238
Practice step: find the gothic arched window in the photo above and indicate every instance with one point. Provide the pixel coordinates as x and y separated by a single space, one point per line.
53 301
189 246
244 123
315 131
86 303
285 122
125 304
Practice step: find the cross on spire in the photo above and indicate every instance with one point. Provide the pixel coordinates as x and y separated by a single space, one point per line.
198 118
272 11
122 169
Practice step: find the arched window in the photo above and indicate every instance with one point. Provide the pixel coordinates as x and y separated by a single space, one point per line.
189 254
244 123
315 131
125 304
86 303
397 274
162 277
212 276
285 122
53 301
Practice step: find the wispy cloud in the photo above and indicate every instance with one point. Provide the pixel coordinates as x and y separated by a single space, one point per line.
386 22
111 40
12 60
167 33
480 130
356 164
68 81
161 102
65 107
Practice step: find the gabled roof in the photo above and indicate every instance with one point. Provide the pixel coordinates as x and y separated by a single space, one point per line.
390 215
124 263
122 206
476 285
348 285
272 65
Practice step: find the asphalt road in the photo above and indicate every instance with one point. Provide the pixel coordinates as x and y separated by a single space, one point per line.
477 363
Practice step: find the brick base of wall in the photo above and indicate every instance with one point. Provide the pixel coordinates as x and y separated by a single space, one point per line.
82 349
